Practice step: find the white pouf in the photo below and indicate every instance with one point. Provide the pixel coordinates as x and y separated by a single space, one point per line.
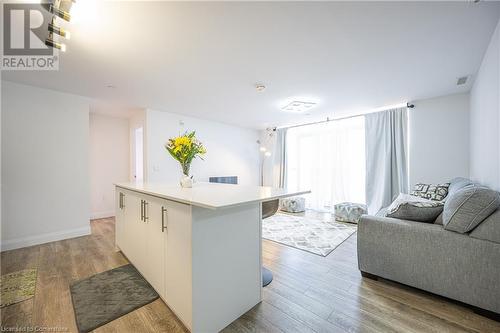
293 205
349 212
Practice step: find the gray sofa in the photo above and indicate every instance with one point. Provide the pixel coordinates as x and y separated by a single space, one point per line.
461 266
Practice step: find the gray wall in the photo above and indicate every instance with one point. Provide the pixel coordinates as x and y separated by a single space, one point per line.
485 118
439 139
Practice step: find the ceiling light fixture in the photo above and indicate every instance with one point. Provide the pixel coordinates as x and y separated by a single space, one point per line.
52 43
260 87
298 106
59 31
60 8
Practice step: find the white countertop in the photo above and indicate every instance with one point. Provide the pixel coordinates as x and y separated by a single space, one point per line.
212 195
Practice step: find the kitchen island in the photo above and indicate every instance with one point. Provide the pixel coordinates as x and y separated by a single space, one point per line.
199 248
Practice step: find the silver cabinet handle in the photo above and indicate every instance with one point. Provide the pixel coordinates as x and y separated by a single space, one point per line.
146 217
122 200
163 226
142 210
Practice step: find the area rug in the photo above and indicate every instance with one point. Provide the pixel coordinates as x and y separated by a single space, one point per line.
304 233
103 297
17 287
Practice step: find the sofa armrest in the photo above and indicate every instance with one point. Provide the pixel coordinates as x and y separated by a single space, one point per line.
426 256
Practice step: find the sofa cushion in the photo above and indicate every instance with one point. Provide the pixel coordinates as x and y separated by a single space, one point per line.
439 219
465 208
489 229
458 183
411 208
436 192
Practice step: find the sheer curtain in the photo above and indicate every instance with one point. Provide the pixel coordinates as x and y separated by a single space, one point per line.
328 159
386 157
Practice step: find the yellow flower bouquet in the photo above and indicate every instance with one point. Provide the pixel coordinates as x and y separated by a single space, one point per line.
184 149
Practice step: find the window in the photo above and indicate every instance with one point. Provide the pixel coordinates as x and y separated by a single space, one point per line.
329 159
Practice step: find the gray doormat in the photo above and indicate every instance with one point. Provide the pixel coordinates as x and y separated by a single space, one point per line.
103 297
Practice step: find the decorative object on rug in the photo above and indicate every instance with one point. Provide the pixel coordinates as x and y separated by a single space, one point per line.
304 233
349 212
431 192
103 297
412 208
293 205
17 286
184 149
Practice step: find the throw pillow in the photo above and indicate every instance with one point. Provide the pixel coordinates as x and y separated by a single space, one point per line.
412 208
468 207
436 192
439 219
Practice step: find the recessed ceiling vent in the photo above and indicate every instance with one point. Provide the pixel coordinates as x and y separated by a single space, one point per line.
462 80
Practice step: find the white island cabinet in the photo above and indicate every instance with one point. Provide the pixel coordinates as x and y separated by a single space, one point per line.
199 248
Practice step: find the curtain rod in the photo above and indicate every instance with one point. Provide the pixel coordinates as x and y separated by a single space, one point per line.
408 105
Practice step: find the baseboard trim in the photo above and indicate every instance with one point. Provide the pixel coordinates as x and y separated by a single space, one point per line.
101 215
18 243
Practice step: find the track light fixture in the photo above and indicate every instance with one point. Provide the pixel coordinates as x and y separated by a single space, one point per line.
60 8
59 31
52 43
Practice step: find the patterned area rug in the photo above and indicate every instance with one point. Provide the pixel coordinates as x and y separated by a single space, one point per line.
304 233
103 297
17 287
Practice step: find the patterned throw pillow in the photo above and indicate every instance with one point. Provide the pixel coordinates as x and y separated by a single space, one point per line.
411 208
436 192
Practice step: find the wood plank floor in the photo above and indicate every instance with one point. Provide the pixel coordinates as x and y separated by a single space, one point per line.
309 294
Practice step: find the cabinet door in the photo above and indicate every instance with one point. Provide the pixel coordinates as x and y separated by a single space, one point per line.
178 283
155 244
135 233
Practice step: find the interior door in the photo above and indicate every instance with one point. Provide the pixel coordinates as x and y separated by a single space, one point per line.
155 244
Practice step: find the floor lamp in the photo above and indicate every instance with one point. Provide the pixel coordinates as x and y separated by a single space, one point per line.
267 275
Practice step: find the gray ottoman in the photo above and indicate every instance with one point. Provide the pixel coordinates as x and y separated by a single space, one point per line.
293 205
349 212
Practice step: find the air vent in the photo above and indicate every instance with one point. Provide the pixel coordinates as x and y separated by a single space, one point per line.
462 80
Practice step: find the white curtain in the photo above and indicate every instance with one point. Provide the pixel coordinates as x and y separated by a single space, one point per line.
274 165
386 157
279 159
328 159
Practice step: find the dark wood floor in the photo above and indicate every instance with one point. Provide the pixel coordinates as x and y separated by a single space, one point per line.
309 293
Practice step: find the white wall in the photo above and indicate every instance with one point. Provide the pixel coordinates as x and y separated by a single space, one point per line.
439 139
137 120
485 118
231 151
108 161
45 190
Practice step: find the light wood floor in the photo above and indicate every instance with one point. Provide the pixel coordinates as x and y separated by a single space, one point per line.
309 293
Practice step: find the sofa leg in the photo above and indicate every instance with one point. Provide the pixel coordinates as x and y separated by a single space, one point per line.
486 313
368 275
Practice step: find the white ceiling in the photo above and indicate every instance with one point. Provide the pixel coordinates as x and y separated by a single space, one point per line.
203 59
